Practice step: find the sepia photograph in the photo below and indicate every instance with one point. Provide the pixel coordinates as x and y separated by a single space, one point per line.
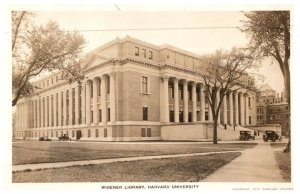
146 99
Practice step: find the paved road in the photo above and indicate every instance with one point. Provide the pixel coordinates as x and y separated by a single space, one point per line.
254 165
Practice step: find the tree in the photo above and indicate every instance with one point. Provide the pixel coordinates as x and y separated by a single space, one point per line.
226 72
269 33
42 49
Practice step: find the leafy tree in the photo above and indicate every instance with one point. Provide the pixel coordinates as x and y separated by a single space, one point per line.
269 33
226 72
42 49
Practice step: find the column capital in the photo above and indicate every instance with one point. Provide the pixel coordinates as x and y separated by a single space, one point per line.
164 78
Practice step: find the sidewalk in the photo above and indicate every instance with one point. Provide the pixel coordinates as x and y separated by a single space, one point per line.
23 167
254 165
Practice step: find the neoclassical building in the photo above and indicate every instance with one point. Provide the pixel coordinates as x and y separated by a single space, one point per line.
132 90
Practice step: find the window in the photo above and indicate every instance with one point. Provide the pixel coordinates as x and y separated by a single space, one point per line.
143 132
92 117
57 78
47 82
89 133
249 102
171 116
136 51
108 114
144 53
52 80
145 113
97 133
190 117
51 133
181 116
56 134
145 85
150 55
100 115
148 132
171 91
73 133
105 132
286 108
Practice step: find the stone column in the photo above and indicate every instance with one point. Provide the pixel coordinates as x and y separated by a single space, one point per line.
95 97
194 101
42 112
71 106
247 109
242 109
38 106
103 98
225 110
54 109
25 115
50 110
185 102
176 101
60 123
202 103
83 110
46 110
165 99
77 105
236 109
65 108
112 97
88 103
230 109
34 114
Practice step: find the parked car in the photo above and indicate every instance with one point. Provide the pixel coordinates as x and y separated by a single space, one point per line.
246 135
45 138
271 135
64 137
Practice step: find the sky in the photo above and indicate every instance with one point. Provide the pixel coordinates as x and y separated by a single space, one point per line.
100 27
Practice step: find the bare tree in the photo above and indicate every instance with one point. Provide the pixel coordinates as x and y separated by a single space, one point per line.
270 38
40 49
226 72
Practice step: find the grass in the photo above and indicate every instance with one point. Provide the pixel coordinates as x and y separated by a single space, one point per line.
284 162
30 152
183 169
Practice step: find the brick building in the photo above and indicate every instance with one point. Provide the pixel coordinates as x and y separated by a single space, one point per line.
272 108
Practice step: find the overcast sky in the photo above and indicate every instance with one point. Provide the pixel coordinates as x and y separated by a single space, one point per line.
199 41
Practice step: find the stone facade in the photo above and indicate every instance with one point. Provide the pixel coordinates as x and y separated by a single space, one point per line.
132 91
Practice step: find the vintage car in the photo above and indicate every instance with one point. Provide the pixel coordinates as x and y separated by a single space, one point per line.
271 135
246 135
45 138
64 137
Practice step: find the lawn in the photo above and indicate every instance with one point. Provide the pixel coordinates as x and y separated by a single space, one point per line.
183 169
284 163
30 152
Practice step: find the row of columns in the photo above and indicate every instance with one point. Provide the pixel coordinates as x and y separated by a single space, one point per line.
241 111
51 111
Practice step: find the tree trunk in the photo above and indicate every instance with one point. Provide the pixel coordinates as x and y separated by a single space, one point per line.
215 132
287 90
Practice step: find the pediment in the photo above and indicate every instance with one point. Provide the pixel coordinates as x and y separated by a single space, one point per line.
94 60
